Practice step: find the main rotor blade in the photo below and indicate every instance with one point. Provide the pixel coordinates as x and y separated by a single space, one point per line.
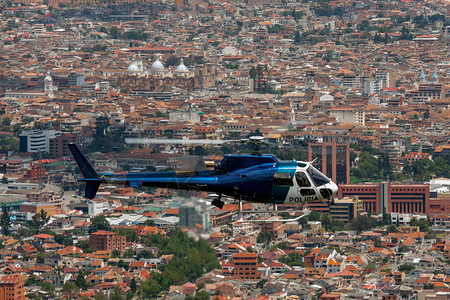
150 141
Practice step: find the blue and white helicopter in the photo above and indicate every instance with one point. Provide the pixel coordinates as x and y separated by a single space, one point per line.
252 177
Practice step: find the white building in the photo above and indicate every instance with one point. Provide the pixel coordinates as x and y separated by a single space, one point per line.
384 76
349 115
96 207
373 86
404 219
37 140
326 98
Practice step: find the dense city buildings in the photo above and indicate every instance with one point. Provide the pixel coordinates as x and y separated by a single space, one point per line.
359 88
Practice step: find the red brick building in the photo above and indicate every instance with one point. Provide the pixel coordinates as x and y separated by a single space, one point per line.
105 240
12 287
246 266
390 197
58 145
332 159
35 172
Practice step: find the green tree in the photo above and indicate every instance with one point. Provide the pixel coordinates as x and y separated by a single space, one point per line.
367 167
202 295
191 259
428 286
261 283
384 165
292 259
5 221
99 223
44 217
391 228
80 282
70 289
6 122
100 296
314 216
133 285
406 267
116 293
326 220
32 280
364 25
363 222
424 225
265 237
149 222
150 288
114 32
36 220
423 169
4 180
47 286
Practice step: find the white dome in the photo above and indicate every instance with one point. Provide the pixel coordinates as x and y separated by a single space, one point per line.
133 67
182 68
157 65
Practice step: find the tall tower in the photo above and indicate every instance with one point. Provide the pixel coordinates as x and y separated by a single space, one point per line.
49 88
332 159
434 77
422 77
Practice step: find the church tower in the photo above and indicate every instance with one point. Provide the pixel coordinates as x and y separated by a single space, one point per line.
49 88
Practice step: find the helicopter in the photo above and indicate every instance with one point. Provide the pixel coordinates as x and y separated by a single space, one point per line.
254 177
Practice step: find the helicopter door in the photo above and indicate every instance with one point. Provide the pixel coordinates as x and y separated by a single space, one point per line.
305 189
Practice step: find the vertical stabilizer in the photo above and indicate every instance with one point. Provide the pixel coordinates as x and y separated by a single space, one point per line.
89 173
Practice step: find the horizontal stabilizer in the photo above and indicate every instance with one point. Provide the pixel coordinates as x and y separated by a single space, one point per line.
86 168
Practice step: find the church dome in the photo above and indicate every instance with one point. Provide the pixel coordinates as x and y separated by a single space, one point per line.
157 65
133 67
182 68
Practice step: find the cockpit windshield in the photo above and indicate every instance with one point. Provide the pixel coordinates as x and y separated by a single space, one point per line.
318 178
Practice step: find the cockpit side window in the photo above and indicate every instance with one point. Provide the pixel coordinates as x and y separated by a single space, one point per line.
318 178
302 179
282 179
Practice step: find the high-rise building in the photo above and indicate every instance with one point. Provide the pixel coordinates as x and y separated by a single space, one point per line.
246 266
58 145
384 76
76 79
372 86
107 241
389 197
332 159
36 140
12 287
